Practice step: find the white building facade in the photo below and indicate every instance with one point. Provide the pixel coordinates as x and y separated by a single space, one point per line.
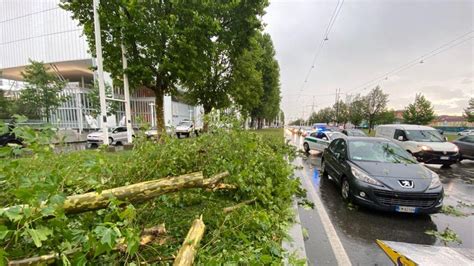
41 31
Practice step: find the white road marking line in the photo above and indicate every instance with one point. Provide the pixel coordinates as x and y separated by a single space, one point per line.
336 245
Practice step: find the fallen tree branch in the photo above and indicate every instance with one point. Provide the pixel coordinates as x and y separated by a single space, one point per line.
222 186
232 208
148 235
43 259
187 251
135 193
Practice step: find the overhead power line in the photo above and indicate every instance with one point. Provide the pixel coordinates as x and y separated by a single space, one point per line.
39 36
29 14
324 38
419 60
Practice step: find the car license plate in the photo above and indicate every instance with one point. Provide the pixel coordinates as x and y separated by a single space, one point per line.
405 209
444 157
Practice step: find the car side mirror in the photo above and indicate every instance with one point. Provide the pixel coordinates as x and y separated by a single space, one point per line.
324 138
445 138
401 138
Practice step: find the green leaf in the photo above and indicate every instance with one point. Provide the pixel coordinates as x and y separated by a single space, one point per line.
3 232
39 235
14 213
107 235
265 259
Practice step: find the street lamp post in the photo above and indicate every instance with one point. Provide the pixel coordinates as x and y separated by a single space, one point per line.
100 73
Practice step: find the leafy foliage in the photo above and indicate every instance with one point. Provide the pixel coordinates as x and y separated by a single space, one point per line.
420 112
356 110
386 117
171 43
269 103
5 106
38 182
112 106
453 211
446 236
375 104
341 112
325 115
42 90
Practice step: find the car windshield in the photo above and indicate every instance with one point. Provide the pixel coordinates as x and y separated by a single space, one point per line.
378 151
424 135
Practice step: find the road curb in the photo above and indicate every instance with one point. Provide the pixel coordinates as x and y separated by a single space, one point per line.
294 244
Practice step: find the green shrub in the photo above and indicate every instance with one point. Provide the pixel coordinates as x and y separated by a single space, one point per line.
39 182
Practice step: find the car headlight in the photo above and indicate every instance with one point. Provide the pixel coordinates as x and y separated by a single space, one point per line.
435 182
456 149
426 148
364 177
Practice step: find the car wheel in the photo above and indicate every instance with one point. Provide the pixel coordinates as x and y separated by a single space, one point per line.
345 190
324 171
306 147
178 135
111 140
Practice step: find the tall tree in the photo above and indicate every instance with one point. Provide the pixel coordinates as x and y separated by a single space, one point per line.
325 115
269 102
42 90
420 112
386 117
356 111
341 112
375 103
469 111
230 75
5 106
168 43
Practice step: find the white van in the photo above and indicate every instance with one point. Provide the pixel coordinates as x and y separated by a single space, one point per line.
425 143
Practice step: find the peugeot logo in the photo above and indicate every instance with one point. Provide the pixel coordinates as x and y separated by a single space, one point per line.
406 183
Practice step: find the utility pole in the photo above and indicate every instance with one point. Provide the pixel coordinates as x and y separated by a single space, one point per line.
100 73
337 106
126 92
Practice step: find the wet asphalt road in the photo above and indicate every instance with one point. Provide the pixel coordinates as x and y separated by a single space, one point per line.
358 228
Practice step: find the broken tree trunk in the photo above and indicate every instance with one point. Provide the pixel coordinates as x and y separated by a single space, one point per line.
187 251
243 203
137 193
133 193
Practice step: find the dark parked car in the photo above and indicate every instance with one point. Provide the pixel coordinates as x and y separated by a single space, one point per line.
466 147
354 133
378 173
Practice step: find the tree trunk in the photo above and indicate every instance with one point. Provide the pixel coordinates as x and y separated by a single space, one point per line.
160 111
205 126
188 250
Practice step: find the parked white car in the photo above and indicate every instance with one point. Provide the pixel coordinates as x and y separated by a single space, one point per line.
466 132
320 140
186 128
424 143
154 132
117 136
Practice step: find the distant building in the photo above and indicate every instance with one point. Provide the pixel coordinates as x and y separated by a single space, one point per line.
451 121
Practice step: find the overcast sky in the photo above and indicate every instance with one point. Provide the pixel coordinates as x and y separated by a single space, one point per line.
369 39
